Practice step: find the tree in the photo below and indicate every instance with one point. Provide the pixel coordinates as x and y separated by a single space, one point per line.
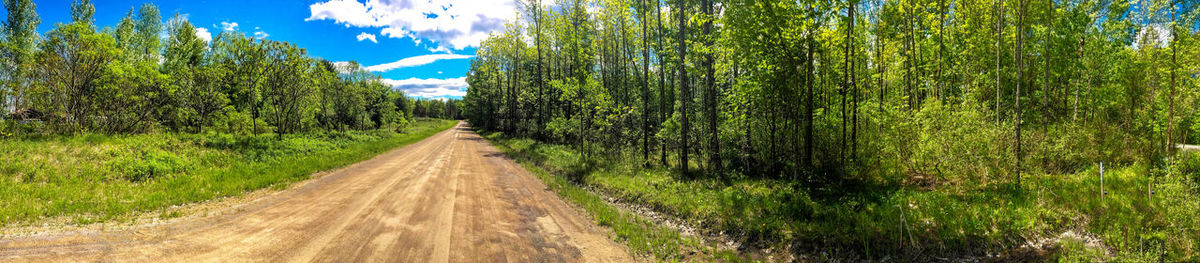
198 84
146 44
287 85
245 60
20 36
535 8
848 70
1020 79
710 93
779 84
662 71
999 39
1174 69
645 83
685 92
83 12
70 63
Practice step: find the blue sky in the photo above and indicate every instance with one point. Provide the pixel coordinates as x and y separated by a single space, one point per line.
420 46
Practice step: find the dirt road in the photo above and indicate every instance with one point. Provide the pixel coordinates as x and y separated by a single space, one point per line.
450 198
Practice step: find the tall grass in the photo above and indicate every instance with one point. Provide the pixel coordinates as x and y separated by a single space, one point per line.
859 221
91 178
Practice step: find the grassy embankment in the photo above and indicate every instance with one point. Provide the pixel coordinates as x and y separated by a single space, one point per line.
94 178
899 221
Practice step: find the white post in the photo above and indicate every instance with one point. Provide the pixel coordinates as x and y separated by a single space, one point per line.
1102 182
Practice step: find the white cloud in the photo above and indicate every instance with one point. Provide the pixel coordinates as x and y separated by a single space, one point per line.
439 49
203 33
454 24
430 88
261 35
415 61
365 36
229 26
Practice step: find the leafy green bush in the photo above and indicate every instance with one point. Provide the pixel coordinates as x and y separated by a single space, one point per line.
149 164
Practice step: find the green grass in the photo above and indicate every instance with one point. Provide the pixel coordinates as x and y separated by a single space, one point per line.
95 178
873 221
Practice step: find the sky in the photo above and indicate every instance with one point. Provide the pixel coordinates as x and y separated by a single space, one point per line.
422 47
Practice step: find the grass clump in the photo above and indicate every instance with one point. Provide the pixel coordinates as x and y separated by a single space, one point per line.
93 178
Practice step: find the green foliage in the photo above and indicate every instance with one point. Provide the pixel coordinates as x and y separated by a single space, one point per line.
126 80
878 220
70 53
96 177
117 121
908 127
18 43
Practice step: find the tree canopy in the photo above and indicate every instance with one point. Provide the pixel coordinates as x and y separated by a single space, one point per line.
144 74
830 90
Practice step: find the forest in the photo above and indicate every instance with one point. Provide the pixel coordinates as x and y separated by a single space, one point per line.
909 128
109 123
144 74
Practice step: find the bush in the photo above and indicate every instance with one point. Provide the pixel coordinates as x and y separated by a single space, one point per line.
150 164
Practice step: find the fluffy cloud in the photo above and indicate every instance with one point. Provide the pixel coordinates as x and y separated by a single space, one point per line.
260 34
415 61
455 24
229 26
430 88
203 33
365 36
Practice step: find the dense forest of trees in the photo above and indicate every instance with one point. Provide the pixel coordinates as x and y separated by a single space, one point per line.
833 90
145 75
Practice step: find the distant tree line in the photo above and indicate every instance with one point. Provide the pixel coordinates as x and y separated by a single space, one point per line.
128 78
839 88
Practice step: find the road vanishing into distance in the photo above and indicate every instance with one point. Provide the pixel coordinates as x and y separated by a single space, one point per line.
449 198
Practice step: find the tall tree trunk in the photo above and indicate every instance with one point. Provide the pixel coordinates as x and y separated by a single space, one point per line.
853 85
626 65
1046 106
1174 69
664 106
541 79
999 54
848 73
808 130
512 93
1083 45
1020 79
844 90
941 49
909 45
879 65
645 88
685 92
710 95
